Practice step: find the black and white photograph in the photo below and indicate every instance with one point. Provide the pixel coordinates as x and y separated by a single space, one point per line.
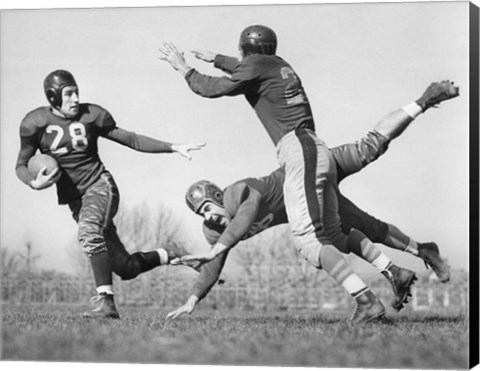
246 184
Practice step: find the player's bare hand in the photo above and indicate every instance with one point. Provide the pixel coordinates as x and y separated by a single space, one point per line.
184 149
198 259
169 52
186 308
44 180
194 265
204 55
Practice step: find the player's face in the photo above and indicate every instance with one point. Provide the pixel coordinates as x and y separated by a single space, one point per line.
70 101
214 214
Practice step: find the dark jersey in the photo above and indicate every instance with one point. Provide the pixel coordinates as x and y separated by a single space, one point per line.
269 84
254 204
72 142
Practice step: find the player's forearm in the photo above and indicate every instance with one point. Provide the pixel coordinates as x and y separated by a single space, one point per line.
24 175
212 86
139 142
209 275
225 63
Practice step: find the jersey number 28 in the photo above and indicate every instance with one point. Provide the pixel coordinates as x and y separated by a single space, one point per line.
77 134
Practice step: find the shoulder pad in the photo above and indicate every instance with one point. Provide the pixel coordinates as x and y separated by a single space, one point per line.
33 120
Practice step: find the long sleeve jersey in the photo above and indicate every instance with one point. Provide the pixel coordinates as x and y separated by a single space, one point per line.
270 86
254 204
73 143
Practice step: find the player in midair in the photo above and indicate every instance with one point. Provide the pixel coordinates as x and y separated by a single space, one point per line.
275 92
250 206
68 131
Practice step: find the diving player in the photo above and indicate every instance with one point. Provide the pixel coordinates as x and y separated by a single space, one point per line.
68 131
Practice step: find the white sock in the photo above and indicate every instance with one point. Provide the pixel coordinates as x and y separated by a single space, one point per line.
162 253
412 247
381 263
354 285
108 289
412 110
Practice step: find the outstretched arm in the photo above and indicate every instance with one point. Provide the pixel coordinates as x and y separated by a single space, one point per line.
223 62
143 143
204 85
209 275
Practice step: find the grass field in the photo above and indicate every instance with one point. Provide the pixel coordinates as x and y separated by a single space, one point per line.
411 340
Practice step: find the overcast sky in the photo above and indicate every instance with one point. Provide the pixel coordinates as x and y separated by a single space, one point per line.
357 62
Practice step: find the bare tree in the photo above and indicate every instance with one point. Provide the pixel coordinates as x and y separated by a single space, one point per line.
143 228
10 262
29 258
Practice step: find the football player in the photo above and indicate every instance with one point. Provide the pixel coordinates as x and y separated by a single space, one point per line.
275 92
68 131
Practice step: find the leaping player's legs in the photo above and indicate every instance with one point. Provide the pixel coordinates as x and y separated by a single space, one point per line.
389 235
309 170
351 158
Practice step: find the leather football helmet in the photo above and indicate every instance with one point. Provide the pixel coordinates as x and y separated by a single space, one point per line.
54 84
202 191
258 39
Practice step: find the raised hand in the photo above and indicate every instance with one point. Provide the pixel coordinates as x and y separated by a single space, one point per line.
170 53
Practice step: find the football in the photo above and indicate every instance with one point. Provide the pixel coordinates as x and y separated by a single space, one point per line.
37 162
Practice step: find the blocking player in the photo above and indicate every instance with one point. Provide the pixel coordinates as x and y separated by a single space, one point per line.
68 131
253 205
275 92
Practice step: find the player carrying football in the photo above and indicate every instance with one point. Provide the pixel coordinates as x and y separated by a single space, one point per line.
250 206
275 92
68 131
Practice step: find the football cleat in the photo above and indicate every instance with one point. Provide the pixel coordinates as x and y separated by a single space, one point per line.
437 92
104 307
401 280
368 308
431 256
